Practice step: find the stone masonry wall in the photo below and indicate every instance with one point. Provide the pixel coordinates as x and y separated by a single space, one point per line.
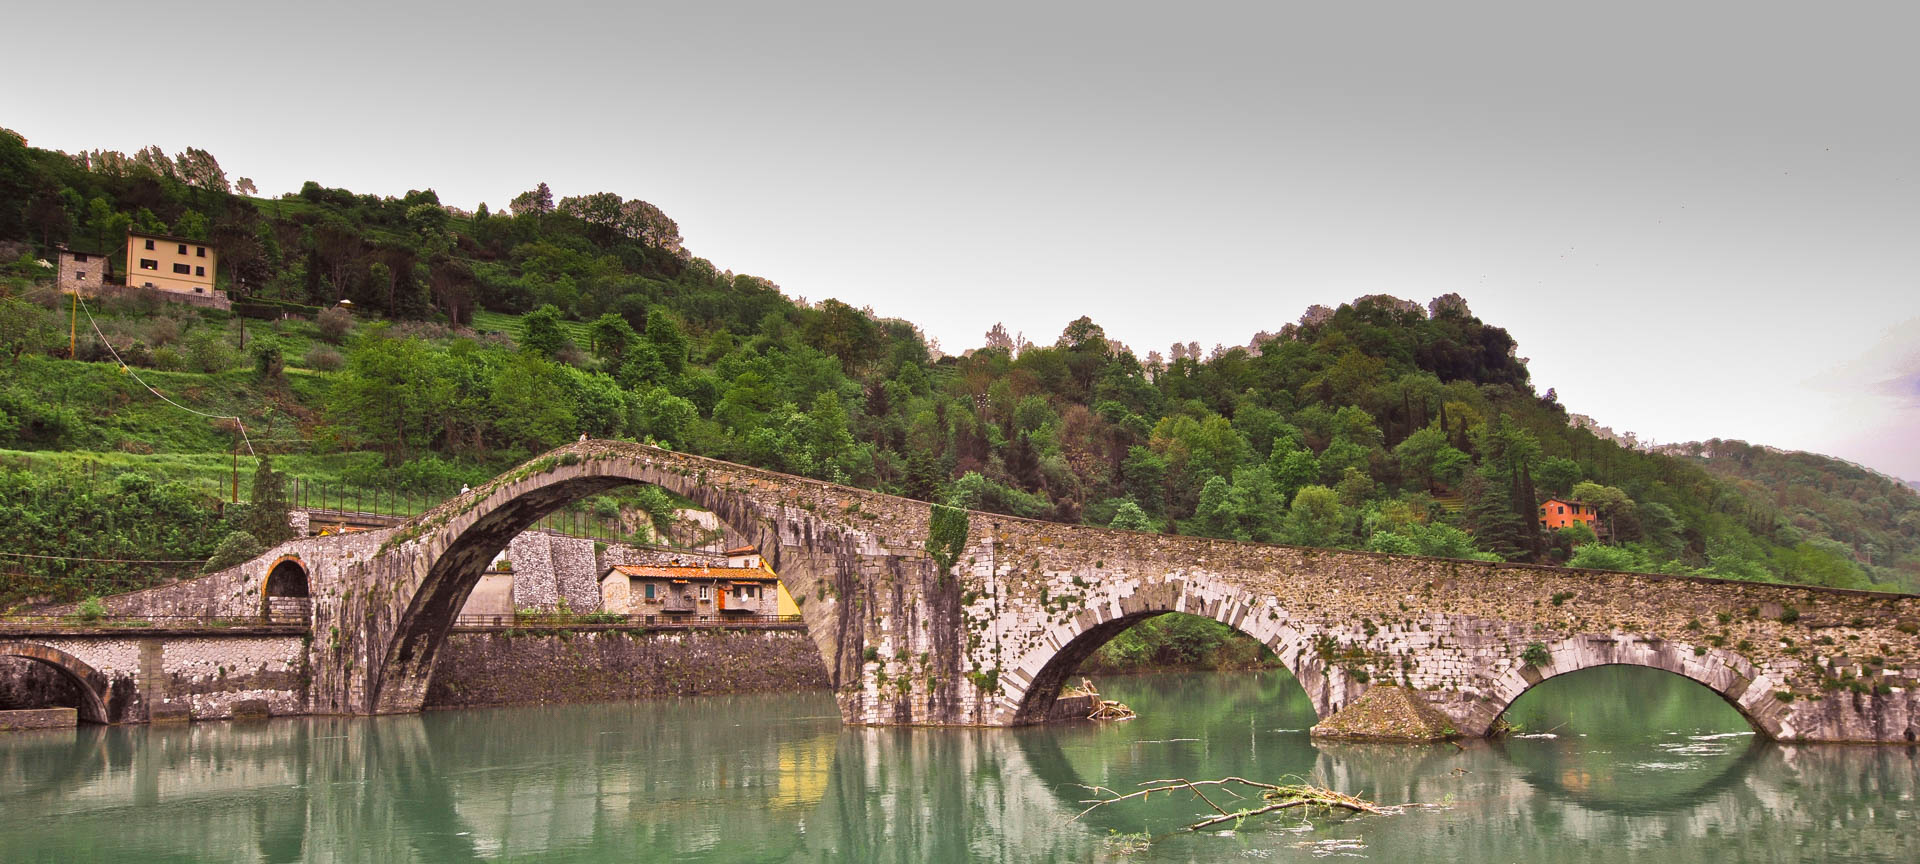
204 675
611 665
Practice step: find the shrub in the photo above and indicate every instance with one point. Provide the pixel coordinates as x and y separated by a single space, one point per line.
335 324
208 351
233 549
1536 654
324 359
163 331
91 609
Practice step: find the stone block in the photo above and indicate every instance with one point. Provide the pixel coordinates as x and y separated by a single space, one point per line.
39 718
251 709
169 713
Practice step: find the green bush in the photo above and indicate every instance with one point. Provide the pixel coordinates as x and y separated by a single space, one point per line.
91 609
234 548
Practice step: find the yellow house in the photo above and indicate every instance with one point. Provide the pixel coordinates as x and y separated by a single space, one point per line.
747 556
172 264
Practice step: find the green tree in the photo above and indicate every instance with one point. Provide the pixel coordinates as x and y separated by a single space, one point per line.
1557 476
610 336
1316 518
669 344
528 408
266 518
1129 517
541 332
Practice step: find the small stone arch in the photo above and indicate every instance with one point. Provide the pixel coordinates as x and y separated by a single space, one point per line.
93 685
1728 674
1037 677
286 591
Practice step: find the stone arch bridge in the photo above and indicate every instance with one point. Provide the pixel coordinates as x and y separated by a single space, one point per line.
991 642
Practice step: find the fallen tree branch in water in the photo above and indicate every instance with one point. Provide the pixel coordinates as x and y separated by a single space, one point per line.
1276 796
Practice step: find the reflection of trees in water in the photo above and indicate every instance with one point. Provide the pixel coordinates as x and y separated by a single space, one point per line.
754 779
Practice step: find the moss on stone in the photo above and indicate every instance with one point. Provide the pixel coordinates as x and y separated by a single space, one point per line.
1388 713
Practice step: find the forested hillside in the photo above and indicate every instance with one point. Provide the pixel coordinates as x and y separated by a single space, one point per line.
478 339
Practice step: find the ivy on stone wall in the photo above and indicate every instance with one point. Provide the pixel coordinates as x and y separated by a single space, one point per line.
946 535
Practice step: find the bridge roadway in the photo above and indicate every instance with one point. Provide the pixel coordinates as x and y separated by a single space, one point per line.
990 640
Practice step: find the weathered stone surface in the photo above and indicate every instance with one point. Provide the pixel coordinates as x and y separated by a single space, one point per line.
251 709
38 718
1388 713
169 713
125 675
610 665
991 642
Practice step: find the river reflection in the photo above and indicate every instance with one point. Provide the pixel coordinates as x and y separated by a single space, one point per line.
1673 776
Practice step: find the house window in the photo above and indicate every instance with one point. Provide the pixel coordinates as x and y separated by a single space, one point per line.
183 248
182 269
149 264
199 271
1560 509
79 258
200 251
81 274
199 290
649 590
146 285
703 592
149 244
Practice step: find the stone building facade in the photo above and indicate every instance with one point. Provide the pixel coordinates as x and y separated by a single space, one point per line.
82 273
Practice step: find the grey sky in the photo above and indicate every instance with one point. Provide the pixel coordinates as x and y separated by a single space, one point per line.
1699 220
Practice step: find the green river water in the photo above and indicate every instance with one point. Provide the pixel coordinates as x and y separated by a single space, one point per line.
1612 764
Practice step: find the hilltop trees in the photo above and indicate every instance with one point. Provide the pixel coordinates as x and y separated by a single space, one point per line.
1372 424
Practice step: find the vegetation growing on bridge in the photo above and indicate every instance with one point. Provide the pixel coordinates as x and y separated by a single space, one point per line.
479 339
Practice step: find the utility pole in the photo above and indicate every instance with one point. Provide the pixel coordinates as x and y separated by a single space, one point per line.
236 463
73 327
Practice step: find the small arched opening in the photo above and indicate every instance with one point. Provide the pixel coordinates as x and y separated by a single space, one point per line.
40 676
286 594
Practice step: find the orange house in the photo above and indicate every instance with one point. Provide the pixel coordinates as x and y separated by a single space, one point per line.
1556 513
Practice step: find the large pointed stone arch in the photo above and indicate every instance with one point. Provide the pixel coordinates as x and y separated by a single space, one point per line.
1038 674
93 685
376 641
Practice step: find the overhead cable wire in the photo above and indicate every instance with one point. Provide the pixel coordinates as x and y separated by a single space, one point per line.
136 376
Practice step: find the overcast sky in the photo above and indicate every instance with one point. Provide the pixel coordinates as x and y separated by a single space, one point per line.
1699 220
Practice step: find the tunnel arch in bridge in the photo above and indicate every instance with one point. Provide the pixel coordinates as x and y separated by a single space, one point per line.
1076 640
286 591
1728 674
92 684
458 549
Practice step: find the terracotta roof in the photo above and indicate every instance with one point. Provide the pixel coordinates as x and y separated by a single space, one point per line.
744 550
647 571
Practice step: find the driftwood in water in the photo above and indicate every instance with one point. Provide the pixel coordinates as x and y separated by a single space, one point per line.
1272 797
1103 709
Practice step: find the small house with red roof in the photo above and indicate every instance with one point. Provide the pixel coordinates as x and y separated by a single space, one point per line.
675 589
1558 513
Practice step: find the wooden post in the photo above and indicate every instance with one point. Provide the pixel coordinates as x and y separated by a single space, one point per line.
236 463
73 327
